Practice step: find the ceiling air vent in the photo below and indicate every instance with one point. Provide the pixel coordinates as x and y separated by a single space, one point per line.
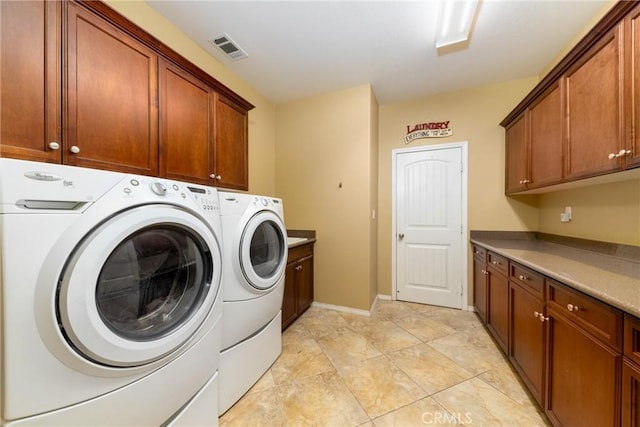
229 47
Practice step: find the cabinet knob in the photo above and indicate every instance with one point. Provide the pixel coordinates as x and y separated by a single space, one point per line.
54 145
620 153
216 177
572 307
495 262
74 149
542 318
298 267
521 277
536 314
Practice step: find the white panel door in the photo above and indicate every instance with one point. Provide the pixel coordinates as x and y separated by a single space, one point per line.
429 226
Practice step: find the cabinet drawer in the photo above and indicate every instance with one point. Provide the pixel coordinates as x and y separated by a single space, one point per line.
300 252
480 252
497 263
599 319
632 338
531 280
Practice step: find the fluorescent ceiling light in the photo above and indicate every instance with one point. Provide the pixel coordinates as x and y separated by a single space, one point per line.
454 21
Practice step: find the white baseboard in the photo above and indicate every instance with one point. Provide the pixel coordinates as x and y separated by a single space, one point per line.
341 308
384 297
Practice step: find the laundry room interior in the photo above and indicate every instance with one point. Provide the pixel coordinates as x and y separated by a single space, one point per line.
359 235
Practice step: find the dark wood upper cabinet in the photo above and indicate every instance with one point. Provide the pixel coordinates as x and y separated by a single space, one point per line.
594 98
231 148
100 92
545 139
517 160
581 119
632 33
111 109
30 56
186 126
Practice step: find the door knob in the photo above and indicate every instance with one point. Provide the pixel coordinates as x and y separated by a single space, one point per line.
401 236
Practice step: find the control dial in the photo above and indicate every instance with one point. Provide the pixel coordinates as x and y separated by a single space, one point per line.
158 188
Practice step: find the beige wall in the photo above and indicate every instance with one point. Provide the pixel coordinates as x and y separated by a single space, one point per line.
324 142
475 115
261 118
606 212
373 198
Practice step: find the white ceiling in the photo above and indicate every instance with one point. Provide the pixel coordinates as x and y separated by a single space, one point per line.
303 48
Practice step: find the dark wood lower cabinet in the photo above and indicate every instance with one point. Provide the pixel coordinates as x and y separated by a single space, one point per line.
568 347
527 338
630 394
498 308
480 287
298 285
582 377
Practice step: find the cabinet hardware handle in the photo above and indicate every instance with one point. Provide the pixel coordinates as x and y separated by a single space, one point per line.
572 307
54 145
212 176
619 154
495 262
218 177
486 272
521 277
536 314
542 318
298 267
74 149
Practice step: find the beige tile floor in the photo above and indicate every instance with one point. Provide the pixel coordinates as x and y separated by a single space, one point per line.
406 365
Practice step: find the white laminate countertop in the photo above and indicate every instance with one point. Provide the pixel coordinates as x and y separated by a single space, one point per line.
613 280
292 242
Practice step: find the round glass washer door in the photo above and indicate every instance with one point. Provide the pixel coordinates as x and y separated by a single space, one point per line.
263 250
139 286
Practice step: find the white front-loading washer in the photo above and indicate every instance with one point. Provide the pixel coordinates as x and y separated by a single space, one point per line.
111 304
255 254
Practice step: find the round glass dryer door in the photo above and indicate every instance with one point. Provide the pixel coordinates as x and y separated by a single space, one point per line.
139 286
263 250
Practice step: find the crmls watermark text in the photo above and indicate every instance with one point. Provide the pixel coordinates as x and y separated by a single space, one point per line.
441 417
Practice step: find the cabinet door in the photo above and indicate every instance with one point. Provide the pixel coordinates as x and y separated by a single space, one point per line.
545 134
594 97
632 30
517 168
186 126
480 288
630 395
527 337
304 289
231 144
289 312
30 54
582 377
498 307
112 114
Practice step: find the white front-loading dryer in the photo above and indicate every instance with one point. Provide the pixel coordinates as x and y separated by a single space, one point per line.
255 254
111 301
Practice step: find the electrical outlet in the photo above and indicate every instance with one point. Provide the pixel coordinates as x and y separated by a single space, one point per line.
566 215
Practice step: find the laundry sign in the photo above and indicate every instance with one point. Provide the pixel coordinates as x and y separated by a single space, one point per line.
428 130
